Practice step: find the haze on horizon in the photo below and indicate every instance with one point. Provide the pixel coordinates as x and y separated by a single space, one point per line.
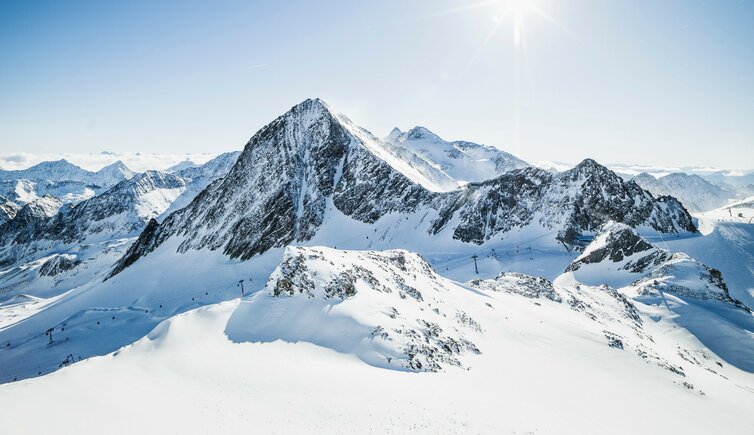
637 82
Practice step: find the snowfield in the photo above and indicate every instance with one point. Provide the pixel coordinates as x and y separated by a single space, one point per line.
563 358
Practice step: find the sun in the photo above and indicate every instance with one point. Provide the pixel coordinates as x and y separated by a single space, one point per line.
517 7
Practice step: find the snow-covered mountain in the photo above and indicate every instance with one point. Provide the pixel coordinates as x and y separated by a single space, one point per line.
112 174
60 170
63 170
383 316
39 230
693 294
122 210
186 164
84 240
312 164
619 246
730 179
29 217
24 191
119 213
694 192
450 164
320 243
62 179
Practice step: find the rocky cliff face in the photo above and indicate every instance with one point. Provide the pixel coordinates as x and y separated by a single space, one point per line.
311 158
578 200
277 191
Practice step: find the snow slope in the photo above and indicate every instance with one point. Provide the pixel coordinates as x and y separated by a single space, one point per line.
554 358
677 287
450 164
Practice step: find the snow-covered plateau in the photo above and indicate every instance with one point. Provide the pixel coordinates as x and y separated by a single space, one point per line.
324 280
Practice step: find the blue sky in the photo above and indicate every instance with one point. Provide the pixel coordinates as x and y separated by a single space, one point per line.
650 82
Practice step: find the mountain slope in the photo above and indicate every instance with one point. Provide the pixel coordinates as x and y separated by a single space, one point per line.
8 209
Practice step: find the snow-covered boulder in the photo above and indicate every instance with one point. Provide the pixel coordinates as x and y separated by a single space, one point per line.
685 277
518 283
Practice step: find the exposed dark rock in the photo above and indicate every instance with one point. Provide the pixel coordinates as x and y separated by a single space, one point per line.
617 243
58 265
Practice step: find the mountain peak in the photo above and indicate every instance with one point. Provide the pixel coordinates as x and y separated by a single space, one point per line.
588 163
62 163
314 104
395 133
590 166
419 132
115 164
646 175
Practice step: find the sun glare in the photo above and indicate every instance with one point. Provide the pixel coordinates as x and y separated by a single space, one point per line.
517 7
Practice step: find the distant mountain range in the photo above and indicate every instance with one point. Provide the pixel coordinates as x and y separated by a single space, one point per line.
694 192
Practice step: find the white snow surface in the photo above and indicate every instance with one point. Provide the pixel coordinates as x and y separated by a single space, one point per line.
568 358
